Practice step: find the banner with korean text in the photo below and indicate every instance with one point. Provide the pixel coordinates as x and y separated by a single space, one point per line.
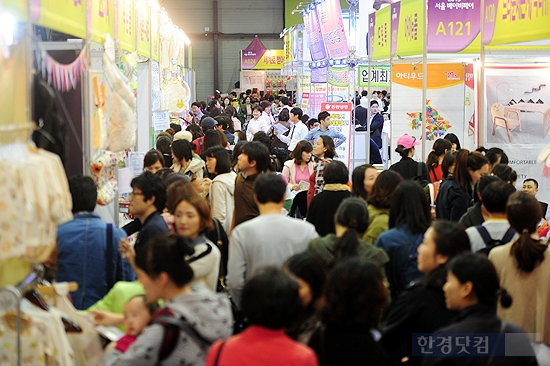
60 15
143 15
314 35
444 105
332 26
263 60
454 26
102 20
407 21
515 21
126 25
382 35
379 76
288 47
340 120
155 35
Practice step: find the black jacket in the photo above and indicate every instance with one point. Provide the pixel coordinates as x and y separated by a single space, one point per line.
473 216
420 309
483 319
322 209
408 169
452 201
361 116
376 126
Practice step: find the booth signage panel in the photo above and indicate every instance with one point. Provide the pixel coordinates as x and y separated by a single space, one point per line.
395 15
379 76
319 75
410 32
288 47
439 75
314 35
372 25
60 15
382 34
453 24
262 60
155 35
338 76
144 28
332 25
515 21
340 119
126 25
102 20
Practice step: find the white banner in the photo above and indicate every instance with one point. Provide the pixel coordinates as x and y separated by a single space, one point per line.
340 118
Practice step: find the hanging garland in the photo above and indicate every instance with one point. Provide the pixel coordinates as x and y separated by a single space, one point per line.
61 77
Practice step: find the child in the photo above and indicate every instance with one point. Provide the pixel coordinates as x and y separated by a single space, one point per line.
137 314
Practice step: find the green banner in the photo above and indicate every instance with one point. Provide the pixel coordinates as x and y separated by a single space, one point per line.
379 76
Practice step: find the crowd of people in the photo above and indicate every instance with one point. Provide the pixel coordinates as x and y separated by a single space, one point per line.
246 256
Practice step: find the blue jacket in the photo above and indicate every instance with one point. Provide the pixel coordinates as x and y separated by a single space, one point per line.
452 201
153 226
81 258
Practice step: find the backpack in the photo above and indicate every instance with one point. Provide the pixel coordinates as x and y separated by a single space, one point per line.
490 243
419 178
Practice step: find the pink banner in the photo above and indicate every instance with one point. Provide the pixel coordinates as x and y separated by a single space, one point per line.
334 35
319 75
314 35
453 25
395 12
372 22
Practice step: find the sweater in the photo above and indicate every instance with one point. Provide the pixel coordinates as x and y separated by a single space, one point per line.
323 248
324 205
379 221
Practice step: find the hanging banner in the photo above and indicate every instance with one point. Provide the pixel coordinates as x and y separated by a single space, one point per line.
439 75
453 26
372 25
155 35
102 20
511 21
60 15
332 26
314 35
340 120
288 47
382 33
319 75
338 76
144 27
262 60
126 25
395 13
410 31
379 76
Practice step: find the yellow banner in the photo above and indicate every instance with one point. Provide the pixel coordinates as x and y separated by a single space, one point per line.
271 60
513 21
144 28
67 16
382 35
155 35
288 47
439 75
17 8
410 31
126 21
103 19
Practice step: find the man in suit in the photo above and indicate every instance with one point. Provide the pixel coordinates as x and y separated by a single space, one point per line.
376 123
531 187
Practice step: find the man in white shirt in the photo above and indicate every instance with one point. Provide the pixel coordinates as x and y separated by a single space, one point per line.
269 239
298 130
493 206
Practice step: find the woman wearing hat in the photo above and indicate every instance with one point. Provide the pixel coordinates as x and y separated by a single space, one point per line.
407 167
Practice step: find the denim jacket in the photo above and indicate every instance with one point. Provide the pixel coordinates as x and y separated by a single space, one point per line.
81 258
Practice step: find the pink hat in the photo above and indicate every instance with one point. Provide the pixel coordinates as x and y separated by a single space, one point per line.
407 142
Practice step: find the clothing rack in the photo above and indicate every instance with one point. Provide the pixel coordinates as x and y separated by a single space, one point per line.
10 297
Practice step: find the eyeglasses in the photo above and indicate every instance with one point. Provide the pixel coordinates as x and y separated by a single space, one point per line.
132 194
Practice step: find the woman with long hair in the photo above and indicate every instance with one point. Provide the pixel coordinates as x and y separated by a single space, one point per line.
300 167
324 151
455 195
472 289
435 158
421 307
222 187
355 298
351 221
453 139
524 269
162 267
362 181
192 219
215 138
379 203
409 220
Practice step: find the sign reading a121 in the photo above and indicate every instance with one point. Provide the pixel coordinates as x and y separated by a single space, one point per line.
453 24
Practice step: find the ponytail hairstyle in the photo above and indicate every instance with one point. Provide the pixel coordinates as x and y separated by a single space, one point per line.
494 155
440 147
505 173
524 213
465 160
167 253
354 215
482 274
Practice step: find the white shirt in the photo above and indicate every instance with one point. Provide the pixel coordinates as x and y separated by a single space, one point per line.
297 133
255 125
